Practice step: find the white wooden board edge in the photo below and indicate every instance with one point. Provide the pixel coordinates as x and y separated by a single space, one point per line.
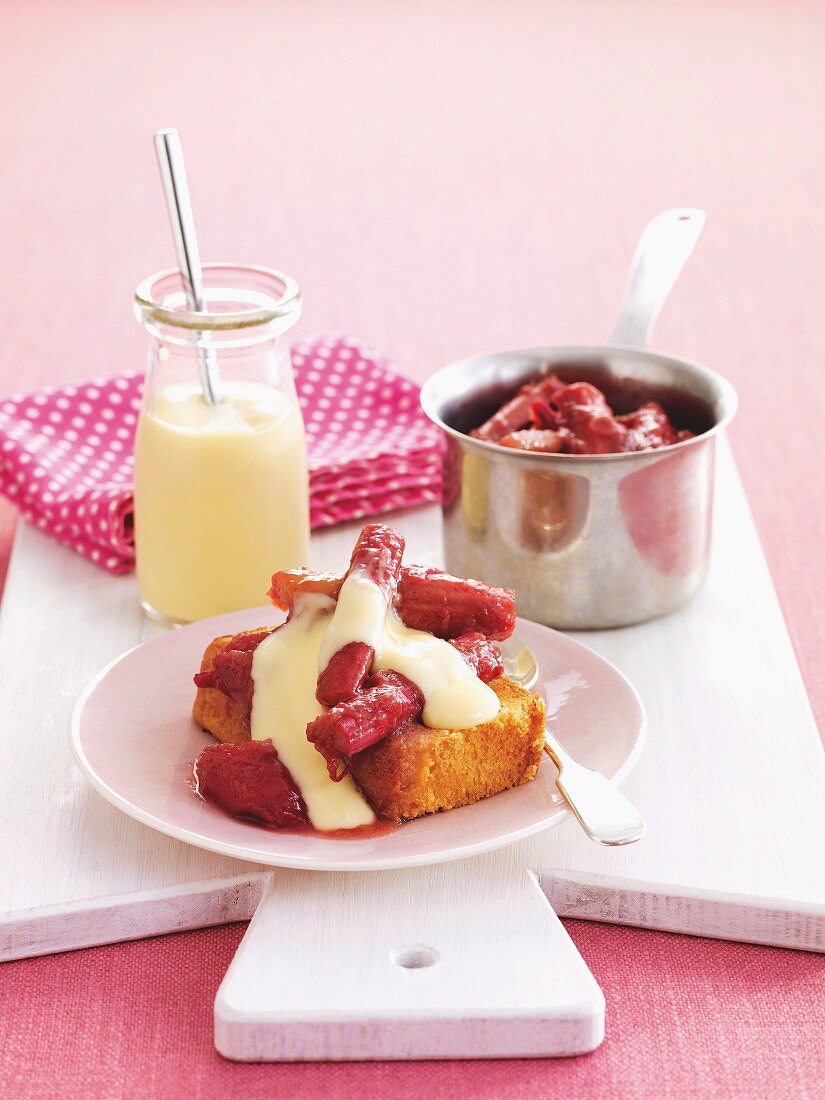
772 922
98 921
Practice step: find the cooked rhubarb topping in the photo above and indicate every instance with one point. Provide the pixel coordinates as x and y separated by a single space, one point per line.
348 649
482 655
448 606
250 782
387 703
428 599
345 674
231 671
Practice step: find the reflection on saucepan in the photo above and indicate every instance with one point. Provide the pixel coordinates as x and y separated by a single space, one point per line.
666 508
552 510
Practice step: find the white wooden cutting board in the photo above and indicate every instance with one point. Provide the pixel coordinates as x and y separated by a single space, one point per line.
732 782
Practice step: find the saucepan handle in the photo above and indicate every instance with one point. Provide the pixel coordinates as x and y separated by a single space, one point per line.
661 253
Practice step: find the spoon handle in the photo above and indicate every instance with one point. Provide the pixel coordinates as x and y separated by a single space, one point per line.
179 206
662 251
600 807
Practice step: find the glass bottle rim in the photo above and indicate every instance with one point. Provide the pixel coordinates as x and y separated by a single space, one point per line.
276 298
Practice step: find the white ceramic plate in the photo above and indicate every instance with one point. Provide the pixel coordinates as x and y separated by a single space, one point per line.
134 736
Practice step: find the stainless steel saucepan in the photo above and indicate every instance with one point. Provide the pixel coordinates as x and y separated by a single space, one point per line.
588 541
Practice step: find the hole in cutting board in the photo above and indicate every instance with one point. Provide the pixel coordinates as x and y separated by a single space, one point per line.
415 957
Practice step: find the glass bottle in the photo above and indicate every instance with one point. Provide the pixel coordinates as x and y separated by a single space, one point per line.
221 491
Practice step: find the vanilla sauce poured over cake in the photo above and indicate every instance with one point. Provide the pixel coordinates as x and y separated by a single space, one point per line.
285 675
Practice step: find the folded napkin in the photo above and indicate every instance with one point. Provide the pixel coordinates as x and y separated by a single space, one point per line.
66 453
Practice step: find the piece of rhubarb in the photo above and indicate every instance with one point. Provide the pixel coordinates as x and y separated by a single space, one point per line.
377 559
539 440
288 583
516 413
250 782
427 599
231 671
377 554
482 655
437 603
543 416
345 674
587 423
389 701
650 427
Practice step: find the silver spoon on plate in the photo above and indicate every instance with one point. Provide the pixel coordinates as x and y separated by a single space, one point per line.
605 814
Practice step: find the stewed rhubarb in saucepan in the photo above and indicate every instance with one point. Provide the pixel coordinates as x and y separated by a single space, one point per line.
382 697
549 416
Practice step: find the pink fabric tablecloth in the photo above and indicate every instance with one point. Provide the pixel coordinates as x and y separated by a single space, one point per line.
685 1018
442 178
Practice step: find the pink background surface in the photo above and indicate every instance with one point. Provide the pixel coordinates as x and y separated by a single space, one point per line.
441 179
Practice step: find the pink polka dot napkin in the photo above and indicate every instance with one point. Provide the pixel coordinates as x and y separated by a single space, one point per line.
66 453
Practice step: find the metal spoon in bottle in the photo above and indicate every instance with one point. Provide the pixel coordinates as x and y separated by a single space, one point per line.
179 206
605 814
